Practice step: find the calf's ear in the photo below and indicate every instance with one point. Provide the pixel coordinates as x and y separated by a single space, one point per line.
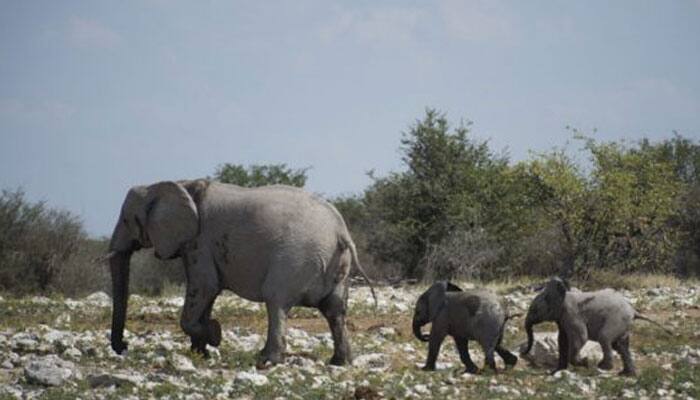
436 299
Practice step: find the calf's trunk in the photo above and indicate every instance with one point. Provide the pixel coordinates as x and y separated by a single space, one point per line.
530 335
418 333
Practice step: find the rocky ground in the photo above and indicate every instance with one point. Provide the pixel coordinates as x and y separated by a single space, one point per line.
59 348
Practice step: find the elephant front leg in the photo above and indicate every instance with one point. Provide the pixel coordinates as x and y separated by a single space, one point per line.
196 321
213 337
563 342
434 344
273 352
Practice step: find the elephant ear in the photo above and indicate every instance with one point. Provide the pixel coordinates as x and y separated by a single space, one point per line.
172 218
556 290
436 299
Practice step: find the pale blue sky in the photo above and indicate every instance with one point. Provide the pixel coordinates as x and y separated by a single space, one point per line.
96 96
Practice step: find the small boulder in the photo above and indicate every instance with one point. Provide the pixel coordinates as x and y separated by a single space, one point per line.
253 377
182 363
100 299
545 351
49 371
117 380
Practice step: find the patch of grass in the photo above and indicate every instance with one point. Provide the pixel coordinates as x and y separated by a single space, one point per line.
686 379
598 279
651 378
611 387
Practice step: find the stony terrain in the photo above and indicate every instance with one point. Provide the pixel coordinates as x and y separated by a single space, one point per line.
59 348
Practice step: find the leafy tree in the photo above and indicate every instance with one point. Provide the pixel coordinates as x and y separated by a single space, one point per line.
616 215
260 175
447 187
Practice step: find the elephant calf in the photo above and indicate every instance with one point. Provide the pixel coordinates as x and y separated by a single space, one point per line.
465 315
604 316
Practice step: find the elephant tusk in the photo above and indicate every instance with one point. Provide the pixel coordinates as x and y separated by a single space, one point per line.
104 258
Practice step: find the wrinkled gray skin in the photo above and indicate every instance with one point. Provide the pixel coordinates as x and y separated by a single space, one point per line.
475 314
604 316
276 244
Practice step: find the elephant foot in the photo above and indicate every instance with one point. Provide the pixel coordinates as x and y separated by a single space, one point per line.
605 365
428 367
554 371
628 372
266 361
471 369
199 346
214 333
339 360
120 347
510 360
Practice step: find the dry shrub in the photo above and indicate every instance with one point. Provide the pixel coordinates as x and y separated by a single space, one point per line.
462 255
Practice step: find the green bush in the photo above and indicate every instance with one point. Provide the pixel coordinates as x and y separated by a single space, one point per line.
36 243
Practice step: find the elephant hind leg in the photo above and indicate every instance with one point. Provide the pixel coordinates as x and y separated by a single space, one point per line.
607 362
489 354
622 346
509 358
273 352
334 309
462 345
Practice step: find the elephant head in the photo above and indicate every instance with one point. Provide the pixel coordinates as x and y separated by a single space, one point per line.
163 216
429 305
546 306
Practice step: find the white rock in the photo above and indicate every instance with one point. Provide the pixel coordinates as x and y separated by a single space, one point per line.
11 391
177 301
252 377
49 371
118 379
61 339
73 353
421 389
40 300
63 319
387 331
372 361
151 309
246 342
24 341
182 363
100 299
545 350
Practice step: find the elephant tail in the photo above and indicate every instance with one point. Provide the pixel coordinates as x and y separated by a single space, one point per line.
356 263
643 317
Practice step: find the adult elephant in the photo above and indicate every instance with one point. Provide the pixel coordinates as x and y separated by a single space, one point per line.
275 244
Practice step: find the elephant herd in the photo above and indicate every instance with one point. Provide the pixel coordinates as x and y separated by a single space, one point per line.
285 247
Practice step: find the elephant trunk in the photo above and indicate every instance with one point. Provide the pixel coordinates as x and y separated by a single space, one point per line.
417 325
529 322
121 248
119 269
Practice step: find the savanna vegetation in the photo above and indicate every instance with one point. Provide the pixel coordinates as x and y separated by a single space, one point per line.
457 209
